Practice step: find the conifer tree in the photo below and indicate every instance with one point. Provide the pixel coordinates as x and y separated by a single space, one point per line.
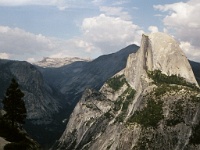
14 104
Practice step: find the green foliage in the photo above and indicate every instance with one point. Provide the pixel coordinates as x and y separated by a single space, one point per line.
108 115
177 113
116 82
130 93
118 104
160 78
150 115
163 88
14 104
120 117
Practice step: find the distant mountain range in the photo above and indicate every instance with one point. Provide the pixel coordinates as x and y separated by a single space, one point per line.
52 92
71 80
58 62
53 87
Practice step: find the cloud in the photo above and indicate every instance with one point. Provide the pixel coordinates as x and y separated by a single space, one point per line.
4 56
31 60
115 12
16 41
182 21
109 33
153 29
28 2
121 2
18 44
98 2
101 34
191 51
60 4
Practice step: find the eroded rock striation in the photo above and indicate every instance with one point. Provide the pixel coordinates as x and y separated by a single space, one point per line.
152 104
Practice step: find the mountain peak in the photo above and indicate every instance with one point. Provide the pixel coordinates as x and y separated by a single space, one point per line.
58 62
158 51
151 104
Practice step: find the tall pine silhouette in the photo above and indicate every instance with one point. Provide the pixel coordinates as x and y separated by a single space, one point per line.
14 104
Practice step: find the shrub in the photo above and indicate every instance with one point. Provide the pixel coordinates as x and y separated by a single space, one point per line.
116 82
177 112
118 104
160 78
150 115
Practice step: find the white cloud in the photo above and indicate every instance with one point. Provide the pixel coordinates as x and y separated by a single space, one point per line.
4 56
60 4
109 33
17 41
27 2
31 60
100 35
153 29
192 52
98 2
18 44
115 12
121 2
182 21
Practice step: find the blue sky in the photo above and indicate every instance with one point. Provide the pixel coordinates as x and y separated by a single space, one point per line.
33 29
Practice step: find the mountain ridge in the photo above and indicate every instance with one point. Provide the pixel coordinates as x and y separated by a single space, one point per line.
58 62
159 111
65 84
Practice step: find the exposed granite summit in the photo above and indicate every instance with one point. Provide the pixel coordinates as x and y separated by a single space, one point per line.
158 51
152 104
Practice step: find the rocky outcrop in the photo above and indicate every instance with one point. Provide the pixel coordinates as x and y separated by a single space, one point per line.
152 104
88 116
158 51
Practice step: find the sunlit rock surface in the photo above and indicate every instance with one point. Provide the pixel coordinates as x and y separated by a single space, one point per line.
152 104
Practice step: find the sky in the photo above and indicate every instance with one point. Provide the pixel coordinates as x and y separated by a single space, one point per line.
33 29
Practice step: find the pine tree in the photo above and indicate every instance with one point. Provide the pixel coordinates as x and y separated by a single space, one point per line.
14 104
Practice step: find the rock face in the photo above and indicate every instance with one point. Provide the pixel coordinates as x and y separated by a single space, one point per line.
39 97
158 51
152 104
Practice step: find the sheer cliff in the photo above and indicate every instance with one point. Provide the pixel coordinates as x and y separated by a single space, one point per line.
49 91
151 104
